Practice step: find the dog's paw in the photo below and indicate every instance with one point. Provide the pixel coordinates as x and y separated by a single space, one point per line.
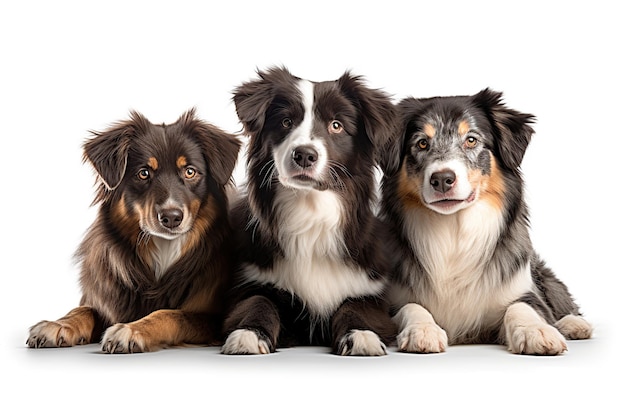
574 327
422 338
122 338
246 342
361 343
536 339
46 334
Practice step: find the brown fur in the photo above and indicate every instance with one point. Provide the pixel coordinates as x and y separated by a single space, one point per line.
160 186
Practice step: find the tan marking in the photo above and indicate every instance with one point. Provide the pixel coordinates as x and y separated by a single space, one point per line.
430 130
464 127
492 187
203 219
161 328
409 189
153 163
181 162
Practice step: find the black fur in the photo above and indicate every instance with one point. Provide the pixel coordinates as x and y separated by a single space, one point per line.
265 106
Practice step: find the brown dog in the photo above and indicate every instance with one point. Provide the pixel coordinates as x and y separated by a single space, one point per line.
155 264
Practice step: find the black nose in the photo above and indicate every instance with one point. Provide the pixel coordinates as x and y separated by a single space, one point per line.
442 181
304 156
171 218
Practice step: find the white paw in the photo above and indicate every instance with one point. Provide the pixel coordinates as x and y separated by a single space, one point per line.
245 342
423 338
121 338
574 327
361 343
536 339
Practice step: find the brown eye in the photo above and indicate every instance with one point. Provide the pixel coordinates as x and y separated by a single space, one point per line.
143 174
471 142
335 127
422 144
287 123
190 172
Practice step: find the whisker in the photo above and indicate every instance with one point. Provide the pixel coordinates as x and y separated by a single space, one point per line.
337 179
143 238
269 168
342 167
335 174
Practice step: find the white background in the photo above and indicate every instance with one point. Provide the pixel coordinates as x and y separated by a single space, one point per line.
70 67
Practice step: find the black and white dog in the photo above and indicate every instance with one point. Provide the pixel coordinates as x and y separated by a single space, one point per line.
313 263
453 193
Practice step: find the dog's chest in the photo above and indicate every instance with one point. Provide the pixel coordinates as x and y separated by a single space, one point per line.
164 254
314 266
461 283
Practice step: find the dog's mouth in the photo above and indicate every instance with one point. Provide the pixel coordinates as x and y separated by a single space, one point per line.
165 233
448 205
303 180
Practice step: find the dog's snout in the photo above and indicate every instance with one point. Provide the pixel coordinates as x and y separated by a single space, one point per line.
304 156
443 181
171 218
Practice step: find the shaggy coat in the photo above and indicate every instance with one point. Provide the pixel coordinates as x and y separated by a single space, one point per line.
156 262
453 196
313 264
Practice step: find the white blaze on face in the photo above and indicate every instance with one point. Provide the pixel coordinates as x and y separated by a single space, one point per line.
301 135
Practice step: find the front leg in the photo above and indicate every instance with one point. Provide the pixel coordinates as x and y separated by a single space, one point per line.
418 331
362 328
159 329
75 328
252 327
528 333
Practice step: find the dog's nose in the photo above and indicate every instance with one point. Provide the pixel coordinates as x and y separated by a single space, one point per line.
443 181
304 156
171 218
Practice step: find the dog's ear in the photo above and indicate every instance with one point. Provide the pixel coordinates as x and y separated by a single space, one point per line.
511 128
220 149
253 98
393 156
378 112
107 151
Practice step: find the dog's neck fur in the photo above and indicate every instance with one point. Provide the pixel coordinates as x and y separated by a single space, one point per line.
165 253
313 267
456 253
310 223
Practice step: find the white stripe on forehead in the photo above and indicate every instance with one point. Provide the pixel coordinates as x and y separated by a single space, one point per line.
301 135
304 130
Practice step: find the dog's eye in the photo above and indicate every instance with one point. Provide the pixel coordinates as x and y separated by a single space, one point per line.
143 174
287 123
471 142
422 144
190 173
335 127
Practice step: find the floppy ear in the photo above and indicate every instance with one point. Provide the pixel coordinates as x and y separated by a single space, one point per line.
108 151
252 98
220 149
511 128
376 108
393 155
378 112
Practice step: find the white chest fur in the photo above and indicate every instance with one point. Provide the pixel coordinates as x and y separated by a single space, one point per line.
461 287
313 267
165 254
